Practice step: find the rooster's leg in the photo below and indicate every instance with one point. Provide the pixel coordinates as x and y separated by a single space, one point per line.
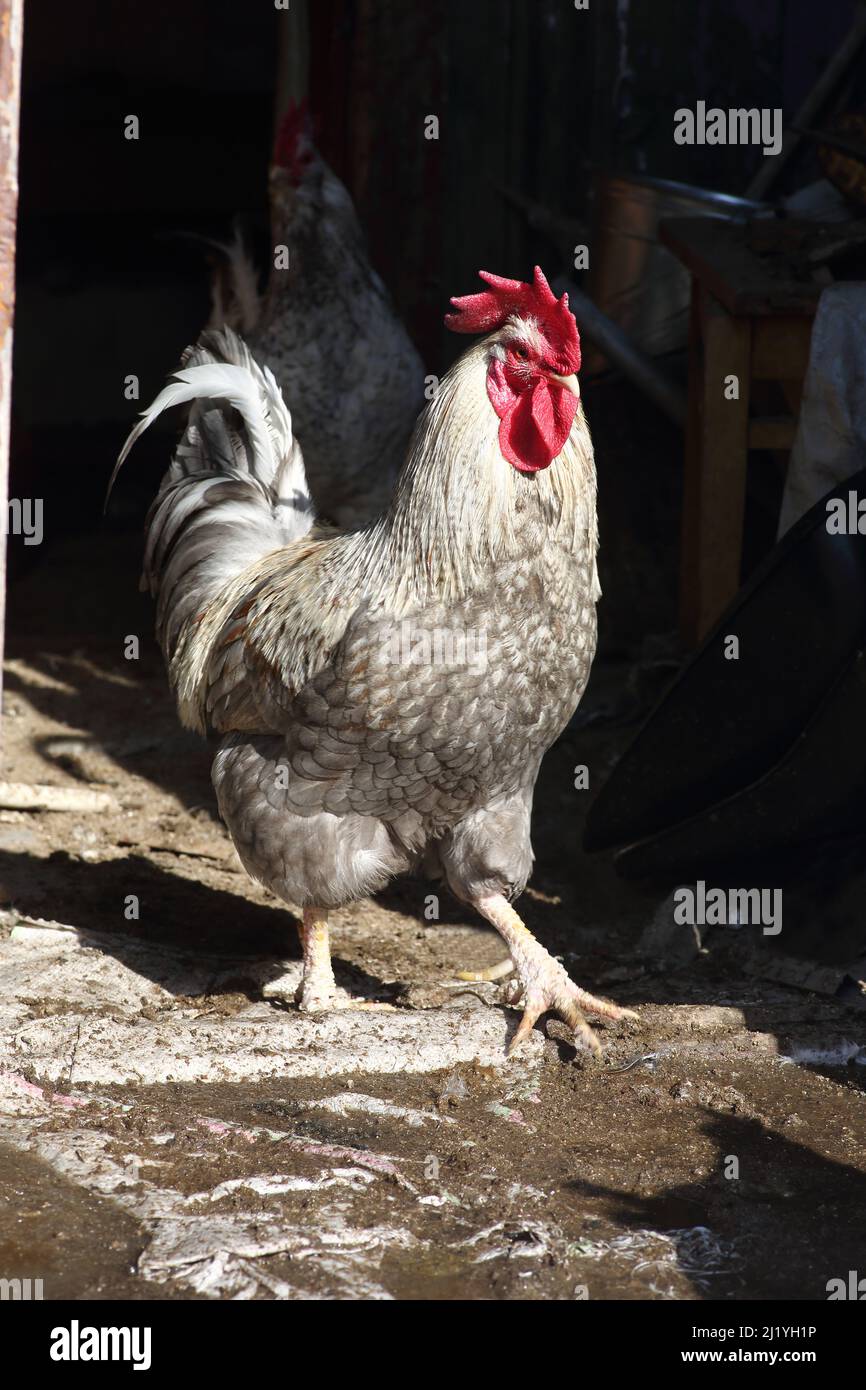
317 988
544 982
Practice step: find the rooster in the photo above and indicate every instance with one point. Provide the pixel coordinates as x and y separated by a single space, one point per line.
354 745
328 330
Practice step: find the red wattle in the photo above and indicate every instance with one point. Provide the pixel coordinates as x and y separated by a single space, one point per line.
535 422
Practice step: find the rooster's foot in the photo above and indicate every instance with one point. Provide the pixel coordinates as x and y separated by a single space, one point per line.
316 995
551 991
543 983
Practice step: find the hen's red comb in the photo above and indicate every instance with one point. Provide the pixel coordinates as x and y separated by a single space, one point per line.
294 135
481 313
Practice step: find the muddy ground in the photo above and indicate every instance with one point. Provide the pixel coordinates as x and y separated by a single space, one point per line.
170 1126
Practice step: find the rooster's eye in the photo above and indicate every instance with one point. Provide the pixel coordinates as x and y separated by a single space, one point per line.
521 354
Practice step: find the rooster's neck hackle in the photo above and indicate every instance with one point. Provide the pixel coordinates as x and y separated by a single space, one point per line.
460 509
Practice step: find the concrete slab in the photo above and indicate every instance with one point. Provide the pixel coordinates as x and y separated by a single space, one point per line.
81 1008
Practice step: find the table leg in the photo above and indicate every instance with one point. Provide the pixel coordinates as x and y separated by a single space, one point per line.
714 494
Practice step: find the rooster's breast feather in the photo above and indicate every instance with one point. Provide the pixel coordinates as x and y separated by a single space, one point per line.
385 726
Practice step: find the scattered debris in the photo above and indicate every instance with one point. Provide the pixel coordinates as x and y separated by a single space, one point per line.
648 1058
695 1251
839 1055
505 1112
275 1184
348 1101
20 796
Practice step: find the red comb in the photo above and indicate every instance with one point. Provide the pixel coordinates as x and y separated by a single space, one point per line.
294 133
481 313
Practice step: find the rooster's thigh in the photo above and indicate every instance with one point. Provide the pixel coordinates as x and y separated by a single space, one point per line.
489 851
316 859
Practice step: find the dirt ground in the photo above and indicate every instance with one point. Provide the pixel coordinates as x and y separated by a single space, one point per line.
171 1127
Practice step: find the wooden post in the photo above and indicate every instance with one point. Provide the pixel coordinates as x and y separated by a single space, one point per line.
293 58
717 436
11 27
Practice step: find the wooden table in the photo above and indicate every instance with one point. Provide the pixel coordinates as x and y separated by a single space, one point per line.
751 318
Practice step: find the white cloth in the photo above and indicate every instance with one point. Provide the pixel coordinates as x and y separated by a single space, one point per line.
830 443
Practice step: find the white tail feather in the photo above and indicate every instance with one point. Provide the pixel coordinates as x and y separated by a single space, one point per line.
243 308
218 381
235 491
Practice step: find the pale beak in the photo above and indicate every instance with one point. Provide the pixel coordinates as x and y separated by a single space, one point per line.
568 383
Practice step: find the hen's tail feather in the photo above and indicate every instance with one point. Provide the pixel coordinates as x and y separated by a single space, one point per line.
236 489
235 298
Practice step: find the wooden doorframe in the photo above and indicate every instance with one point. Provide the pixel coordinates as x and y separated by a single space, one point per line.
11 31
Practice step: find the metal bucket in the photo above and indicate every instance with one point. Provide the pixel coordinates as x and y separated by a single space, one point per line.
632 278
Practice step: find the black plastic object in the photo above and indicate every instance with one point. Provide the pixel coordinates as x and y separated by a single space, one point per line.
766 750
